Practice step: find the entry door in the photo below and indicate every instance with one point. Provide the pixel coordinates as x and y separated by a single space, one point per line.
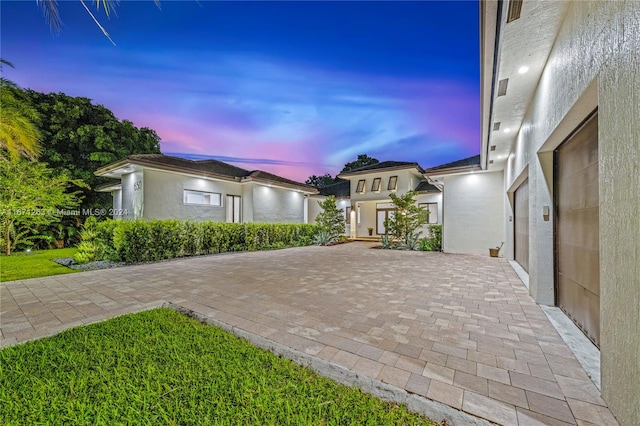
381 216
521 225
233 208
577 229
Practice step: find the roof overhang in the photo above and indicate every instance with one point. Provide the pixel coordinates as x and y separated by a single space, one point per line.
356 174
278 184
109 187
126 166
515 54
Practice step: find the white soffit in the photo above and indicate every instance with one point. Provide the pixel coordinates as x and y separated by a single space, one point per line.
525 42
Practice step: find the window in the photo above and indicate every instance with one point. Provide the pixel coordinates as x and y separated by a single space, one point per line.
233 209
432 208
360 187
393 183
376 185
202 198
348 215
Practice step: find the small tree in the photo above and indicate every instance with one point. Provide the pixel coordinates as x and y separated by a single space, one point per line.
331 219
31 195
407 218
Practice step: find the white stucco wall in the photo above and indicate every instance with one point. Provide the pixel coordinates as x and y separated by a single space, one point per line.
117 204
407 180
598 47
277 205
474 209
164 196
133 188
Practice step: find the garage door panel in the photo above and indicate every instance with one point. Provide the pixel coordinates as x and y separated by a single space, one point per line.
581 265
582 306
577 230
580 153
521 225
581 189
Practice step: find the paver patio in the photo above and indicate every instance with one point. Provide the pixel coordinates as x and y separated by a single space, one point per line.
461 330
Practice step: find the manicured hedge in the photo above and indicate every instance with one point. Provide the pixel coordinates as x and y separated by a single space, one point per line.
138 241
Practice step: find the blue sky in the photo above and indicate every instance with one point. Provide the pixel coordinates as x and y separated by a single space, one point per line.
294 88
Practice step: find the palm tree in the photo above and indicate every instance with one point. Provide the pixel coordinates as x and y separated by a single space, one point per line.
18 135
52 15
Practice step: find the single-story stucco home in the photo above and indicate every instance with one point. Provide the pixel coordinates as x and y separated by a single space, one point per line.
156 186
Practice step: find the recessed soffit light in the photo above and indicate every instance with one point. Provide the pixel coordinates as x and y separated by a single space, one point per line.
507 130
523 70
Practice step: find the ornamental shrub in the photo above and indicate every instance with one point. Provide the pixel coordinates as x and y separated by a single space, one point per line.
138 241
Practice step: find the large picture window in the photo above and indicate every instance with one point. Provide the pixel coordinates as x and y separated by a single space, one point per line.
360 187
376 185
202 198
432 208
393 183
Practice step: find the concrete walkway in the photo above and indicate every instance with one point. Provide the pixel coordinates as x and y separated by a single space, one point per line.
459 330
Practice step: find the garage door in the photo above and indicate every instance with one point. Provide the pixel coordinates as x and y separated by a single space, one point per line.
577 229
521 225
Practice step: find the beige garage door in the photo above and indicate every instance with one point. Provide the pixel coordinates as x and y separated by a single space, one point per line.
577 229
521 224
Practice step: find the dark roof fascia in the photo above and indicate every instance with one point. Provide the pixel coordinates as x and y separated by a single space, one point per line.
288 185
164 167
358 172
453 170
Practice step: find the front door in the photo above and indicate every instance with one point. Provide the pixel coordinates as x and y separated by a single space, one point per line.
233 209
381 216
577 234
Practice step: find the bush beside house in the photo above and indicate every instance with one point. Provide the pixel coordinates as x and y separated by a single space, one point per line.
139 241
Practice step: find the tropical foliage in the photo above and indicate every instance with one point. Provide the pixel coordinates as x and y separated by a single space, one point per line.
408 217
331 218
31 196
19 136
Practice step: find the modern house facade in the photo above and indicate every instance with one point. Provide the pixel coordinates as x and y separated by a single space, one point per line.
156 186
558 177
365 195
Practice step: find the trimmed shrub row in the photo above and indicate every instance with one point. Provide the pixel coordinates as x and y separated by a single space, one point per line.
139 241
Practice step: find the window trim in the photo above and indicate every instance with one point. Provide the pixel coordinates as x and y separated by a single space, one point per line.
195 191
375 188
431 211
361 186
347 212
393 179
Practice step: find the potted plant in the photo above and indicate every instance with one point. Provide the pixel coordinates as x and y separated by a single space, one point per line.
370 229
494 252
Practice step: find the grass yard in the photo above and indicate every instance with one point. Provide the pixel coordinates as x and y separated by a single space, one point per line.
161 367
20 265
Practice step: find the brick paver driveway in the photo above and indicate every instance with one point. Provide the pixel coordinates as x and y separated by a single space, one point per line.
461 330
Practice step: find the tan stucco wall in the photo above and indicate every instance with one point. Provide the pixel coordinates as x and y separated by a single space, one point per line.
595 61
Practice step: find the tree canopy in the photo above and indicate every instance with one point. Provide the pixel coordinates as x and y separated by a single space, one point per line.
326 179
78 137
362 161
321 181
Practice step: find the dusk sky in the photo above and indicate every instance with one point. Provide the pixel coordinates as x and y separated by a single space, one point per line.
294 88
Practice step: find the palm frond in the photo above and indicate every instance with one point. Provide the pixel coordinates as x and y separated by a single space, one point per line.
51 13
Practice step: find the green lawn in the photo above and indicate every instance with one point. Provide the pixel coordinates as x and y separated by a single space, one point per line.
20 265
161 367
